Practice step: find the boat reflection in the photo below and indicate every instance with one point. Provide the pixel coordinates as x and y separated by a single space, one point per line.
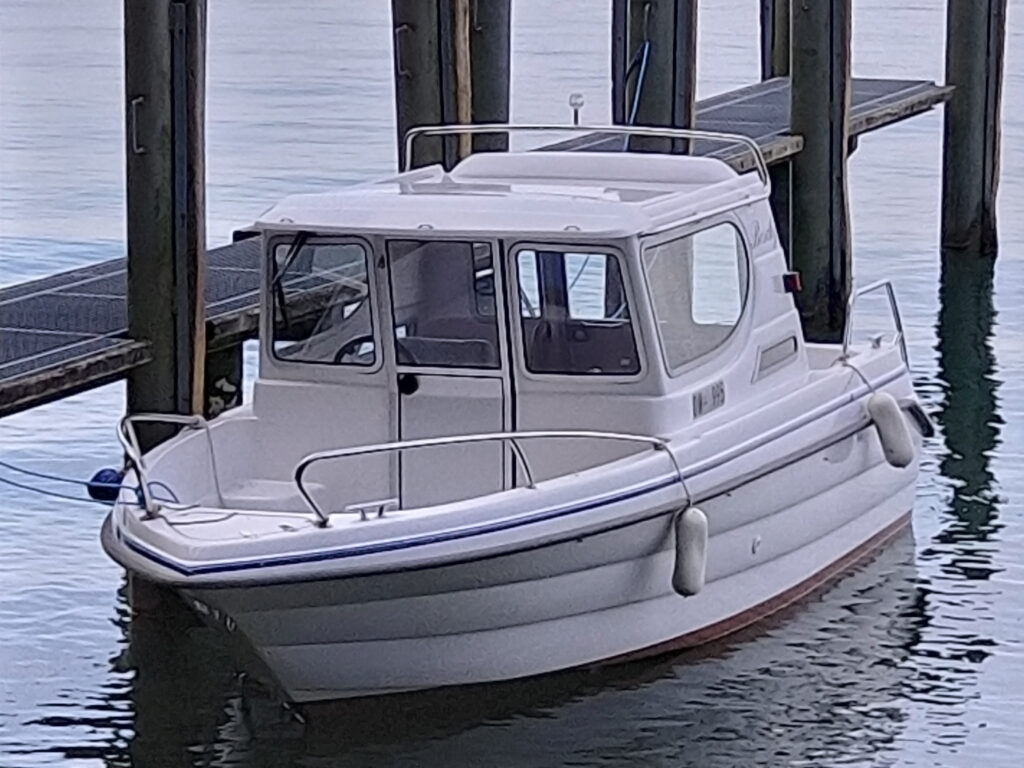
824 679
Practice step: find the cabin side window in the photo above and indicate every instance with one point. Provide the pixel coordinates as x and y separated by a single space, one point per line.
322 311
574 313
698 288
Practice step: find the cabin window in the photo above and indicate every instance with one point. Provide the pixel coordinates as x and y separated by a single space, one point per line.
443 302
698 287
574 314
322 310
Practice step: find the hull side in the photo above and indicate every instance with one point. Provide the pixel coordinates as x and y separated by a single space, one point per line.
600 598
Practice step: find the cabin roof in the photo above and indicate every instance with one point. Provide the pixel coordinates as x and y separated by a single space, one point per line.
549 193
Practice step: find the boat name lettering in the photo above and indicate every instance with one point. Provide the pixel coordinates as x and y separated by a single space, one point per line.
762 232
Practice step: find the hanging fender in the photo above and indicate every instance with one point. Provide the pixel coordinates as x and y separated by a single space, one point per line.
893 430
691 529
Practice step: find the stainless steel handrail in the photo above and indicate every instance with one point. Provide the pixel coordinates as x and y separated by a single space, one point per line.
512 438
622 130
893 307
130 442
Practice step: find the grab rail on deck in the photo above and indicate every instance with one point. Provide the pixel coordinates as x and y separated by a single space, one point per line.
621 130
133 451
512 438
894 308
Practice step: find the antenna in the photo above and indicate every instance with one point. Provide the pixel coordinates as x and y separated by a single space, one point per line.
576 104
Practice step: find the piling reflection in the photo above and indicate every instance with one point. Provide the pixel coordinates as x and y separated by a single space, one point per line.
822 681
969 414
953 636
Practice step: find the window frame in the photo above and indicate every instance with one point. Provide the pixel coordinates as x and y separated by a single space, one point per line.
690 230
514 311
315 238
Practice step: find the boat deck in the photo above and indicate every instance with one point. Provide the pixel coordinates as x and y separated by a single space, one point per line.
66 333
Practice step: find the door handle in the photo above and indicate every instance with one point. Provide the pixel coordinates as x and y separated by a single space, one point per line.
408 384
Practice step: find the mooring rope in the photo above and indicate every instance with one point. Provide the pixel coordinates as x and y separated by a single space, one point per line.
77 481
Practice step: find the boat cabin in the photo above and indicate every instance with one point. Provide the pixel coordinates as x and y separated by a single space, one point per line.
519 291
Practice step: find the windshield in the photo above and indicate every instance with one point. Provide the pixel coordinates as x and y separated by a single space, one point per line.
322 312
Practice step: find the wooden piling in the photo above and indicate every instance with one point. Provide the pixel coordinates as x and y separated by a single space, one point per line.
975 44
437 80
820 71
463 67
165 74
666 76
775 15
490 50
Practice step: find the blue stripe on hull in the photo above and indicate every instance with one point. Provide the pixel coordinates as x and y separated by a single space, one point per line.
390 546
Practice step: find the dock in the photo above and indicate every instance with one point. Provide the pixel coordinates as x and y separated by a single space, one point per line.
67 332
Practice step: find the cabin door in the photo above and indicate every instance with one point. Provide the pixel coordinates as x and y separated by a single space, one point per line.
451 373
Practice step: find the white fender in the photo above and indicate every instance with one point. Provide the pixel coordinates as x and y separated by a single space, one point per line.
893 431
691 552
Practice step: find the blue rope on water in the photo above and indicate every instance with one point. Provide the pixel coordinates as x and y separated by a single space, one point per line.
76 481
47 492
54 478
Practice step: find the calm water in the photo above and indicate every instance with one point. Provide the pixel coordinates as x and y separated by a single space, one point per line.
916 659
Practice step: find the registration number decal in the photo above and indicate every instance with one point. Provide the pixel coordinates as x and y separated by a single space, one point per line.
708 399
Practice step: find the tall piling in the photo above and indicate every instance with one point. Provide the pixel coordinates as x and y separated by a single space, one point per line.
437 80
165 80
820 70
654 67
975 45
775 15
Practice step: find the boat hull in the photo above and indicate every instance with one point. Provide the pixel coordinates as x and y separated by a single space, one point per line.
597 599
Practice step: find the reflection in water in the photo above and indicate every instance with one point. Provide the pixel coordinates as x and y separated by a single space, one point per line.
821 682
968 417
956 613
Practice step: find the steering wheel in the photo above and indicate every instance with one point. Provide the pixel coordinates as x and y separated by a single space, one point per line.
351 347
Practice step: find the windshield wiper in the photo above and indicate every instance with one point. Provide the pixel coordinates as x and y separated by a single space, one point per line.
293 252
277 285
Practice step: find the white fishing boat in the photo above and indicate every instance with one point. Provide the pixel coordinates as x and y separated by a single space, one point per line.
542 411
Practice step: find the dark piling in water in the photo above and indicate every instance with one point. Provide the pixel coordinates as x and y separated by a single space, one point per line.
654 67
165 94
437 80
775 63
975 45
820 72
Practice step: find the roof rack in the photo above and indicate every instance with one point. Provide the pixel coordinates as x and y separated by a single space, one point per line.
457 129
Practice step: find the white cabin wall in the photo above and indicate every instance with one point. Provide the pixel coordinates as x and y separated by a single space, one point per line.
659 403
770 318
297 418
